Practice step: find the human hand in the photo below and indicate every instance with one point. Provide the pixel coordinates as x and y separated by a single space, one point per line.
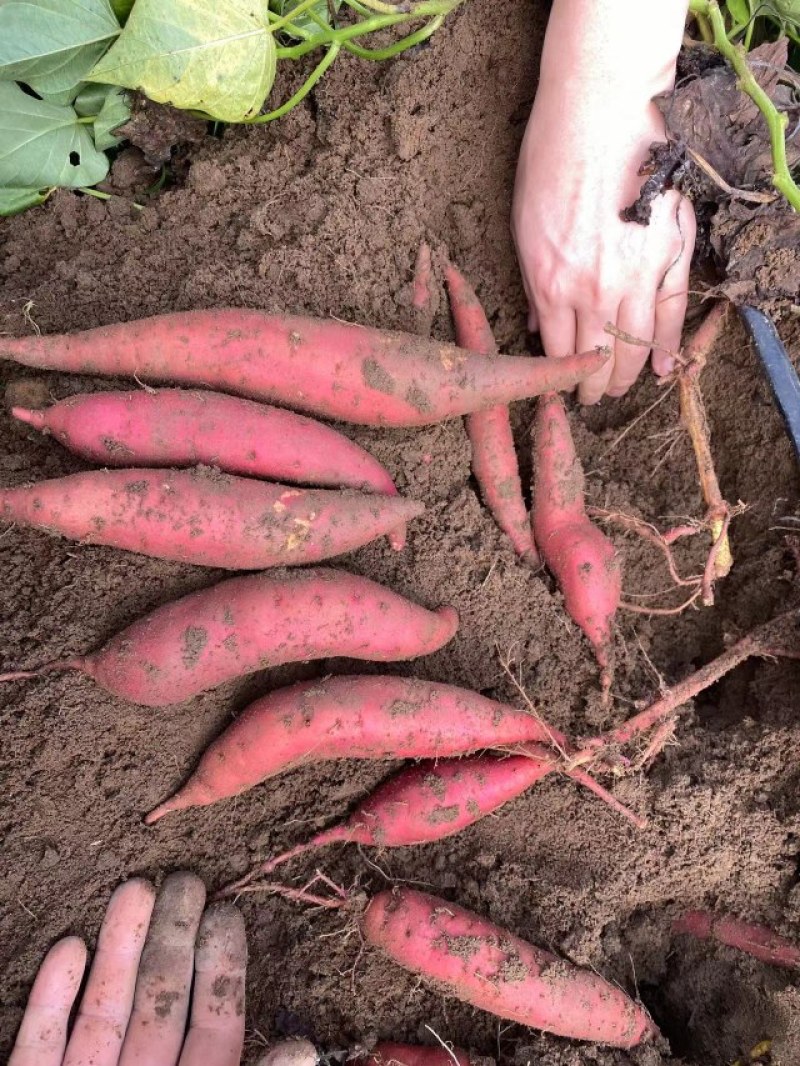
590 129
139 993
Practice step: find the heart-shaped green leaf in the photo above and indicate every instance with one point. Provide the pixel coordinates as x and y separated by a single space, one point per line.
43 144
12 201
51 44
202 55
114 113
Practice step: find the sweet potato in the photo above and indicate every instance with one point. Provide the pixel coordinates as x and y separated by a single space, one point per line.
354 718
187 427
204 517
253 623
353 373
494 460
423 803
581 557
492 969
756 940
388 1054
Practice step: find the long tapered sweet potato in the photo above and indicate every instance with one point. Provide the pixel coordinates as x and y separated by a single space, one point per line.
354 373
756 940
187 427
494 460
351 718
580 555
205 517
253 623
492 969
423 803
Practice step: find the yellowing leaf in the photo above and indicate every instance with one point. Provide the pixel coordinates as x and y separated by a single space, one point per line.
216 56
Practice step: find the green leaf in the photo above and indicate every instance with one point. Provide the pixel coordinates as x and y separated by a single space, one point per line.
739 11
44 144
91 98
12 201
114 113
307 28
122 8
216 56
51 44
67 96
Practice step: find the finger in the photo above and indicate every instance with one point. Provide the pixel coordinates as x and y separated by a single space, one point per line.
161 1000
637 318
557 330
108 999
673 294
591 334
42 1035
216 1030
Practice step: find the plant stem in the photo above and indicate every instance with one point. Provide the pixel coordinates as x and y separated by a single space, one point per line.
398 47
302 92
431 8
776 120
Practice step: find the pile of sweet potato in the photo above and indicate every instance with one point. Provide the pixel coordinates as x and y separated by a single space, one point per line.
220 480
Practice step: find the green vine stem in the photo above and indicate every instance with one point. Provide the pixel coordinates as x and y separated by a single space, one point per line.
302 92
776 120
420 35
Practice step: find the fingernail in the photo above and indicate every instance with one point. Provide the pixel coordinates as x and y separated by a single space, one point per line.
663 365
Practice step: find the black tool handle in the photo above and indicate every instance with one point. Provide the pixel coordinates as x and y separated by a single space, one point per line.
782 375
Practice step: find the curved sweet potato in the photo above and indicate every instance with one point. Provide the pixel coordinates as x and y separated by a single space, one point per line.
354 718
253 623
354 373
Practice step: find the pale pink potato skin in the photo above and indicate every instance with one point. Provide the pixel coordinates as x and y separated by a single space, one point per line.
492 969
184 427
260 621
348 718
321 366
203 517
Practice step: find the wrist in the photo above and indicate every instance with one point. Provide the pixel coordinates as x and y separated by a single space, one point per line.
608 50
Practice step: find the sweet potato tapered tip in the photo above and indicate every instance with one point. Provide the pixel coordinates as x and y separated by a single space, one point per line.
28 415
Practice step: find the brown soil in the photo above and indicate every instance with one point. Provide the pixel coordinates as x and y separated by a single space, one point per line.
323 213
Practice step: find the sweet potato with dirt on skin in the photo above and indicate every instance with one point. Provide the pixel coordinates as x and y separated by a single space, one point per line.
490 968
580 556
204 517
756 940
388 1054
187 427
494 459
351 718
254 623
322 366
422 803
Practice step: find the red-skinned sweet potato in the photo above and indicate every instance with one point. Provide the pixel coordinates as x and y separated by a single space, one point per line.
354 718
253 623
492 969
323 366
494 460
204 517
581 556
